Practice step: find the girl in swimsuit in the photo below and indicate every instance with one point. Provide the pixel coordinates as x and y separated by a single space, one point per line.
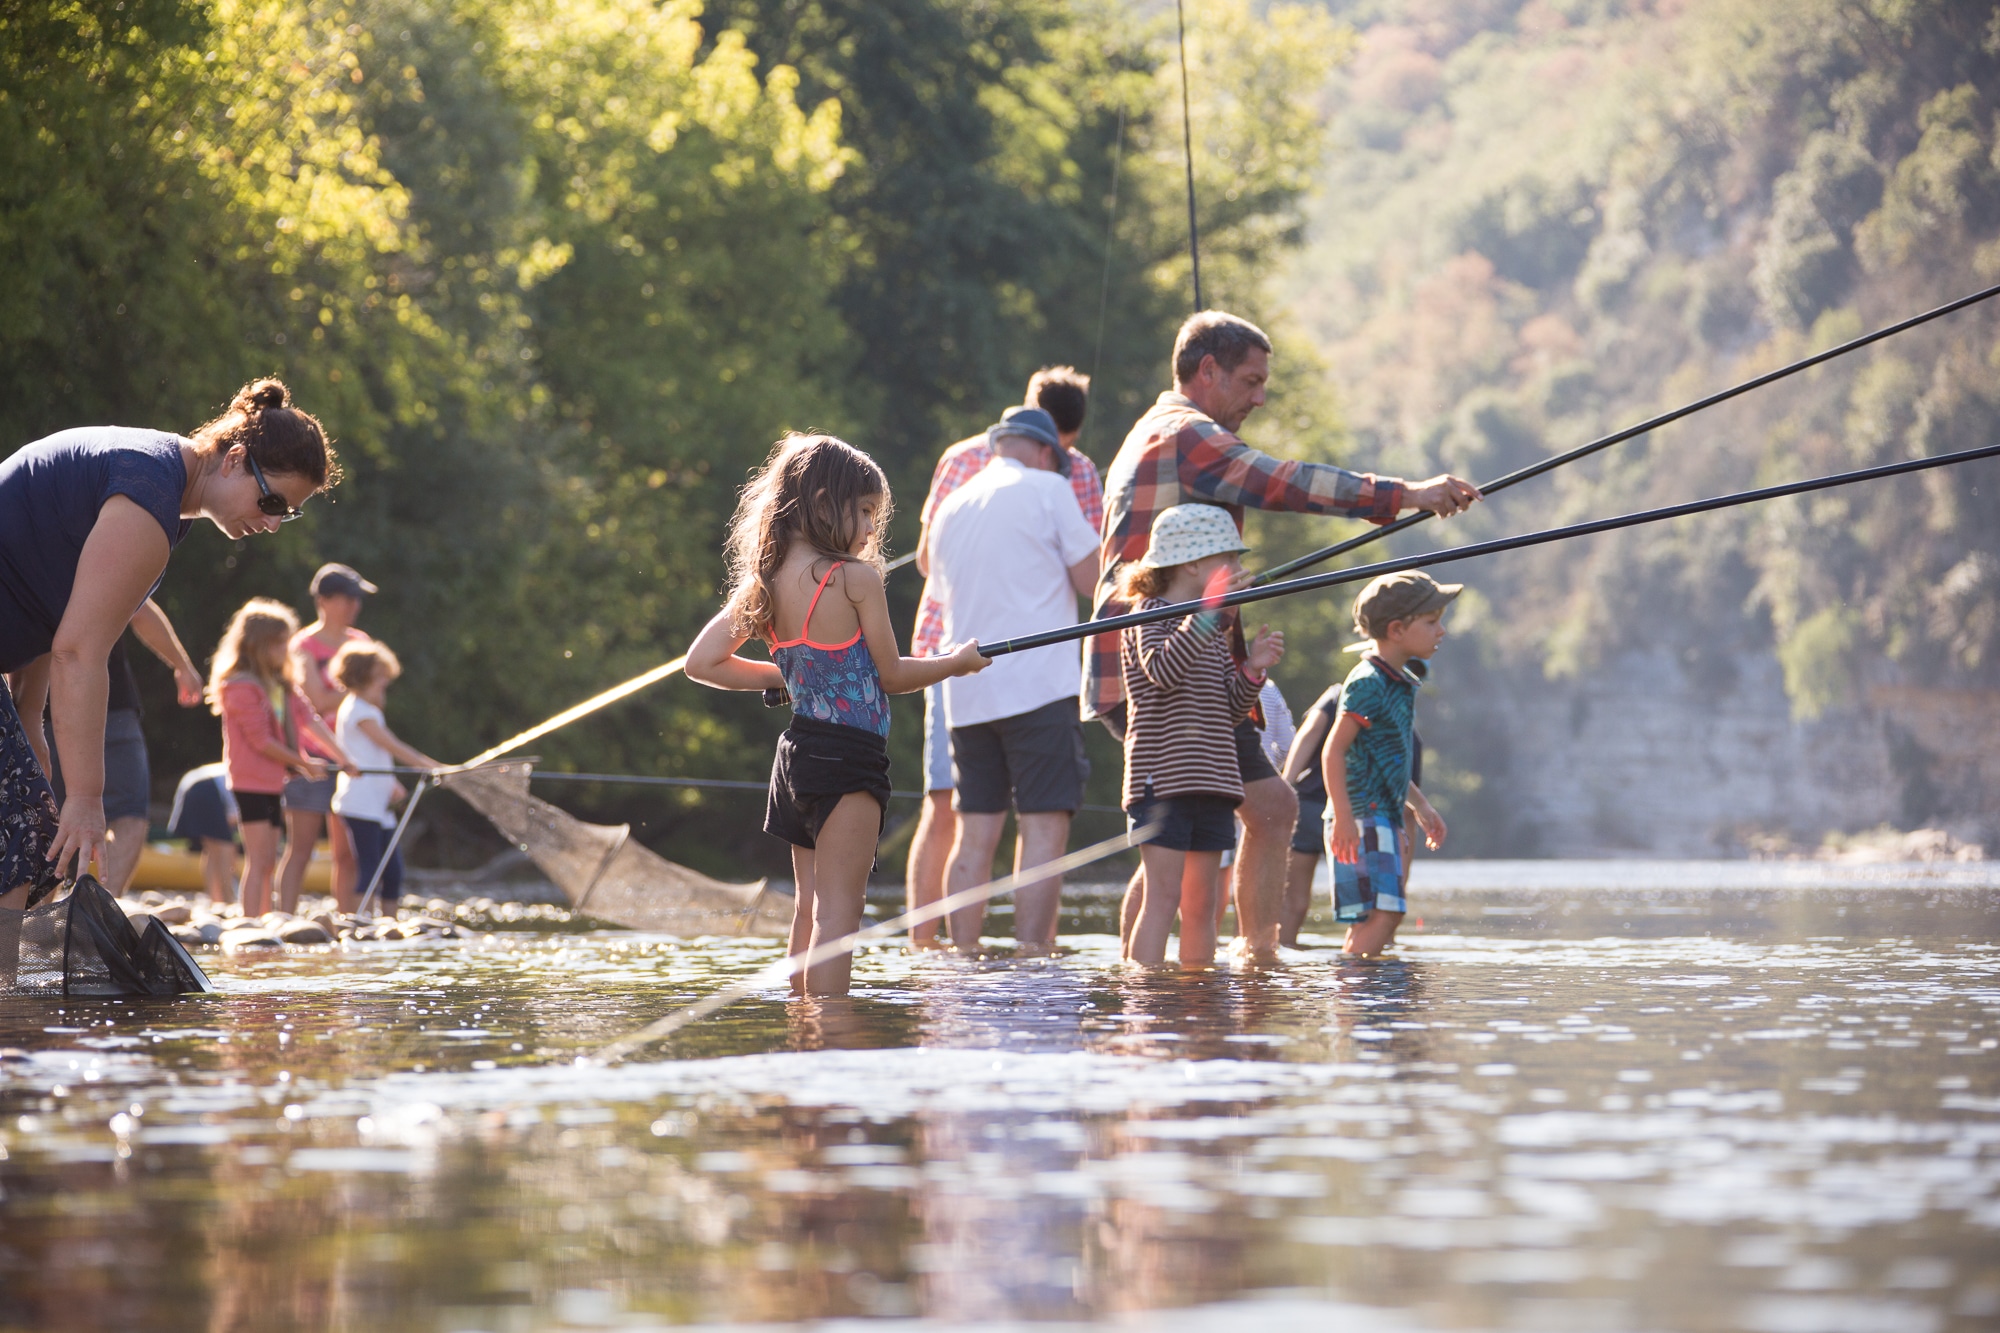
805 566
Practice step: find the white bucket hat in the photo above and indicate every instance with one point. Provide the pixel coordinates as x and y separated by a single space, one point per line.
1190 532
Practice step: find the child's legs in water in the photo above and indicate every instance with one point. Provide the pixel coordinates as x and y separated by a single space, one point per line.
1159 900
1367 938
1299 870
260 862
1201 893
841 863
802 911
1128 908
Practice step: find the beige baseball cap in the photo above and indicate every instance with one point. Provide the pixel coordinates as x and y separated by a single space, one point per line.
1401 596
1190 532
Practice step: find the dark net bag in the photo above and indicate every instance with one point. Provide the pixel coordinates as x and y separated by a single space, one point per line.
80 943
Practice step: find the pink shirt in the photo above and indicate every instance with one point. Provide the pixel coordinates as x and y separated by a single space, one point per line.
306 643
248 723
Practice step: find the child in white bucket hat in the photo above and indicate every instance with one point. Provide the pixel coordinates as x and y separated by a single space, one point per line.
1186 692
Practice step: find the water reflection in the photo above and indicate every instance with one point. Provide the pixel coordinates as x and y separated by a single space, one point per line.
1672 1109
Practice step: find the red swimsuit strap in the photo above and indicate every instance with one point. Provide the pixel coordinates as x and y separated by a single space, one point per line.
805 629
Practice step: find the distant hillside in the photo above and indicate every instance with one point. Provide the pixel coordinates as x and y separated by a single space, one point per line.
1540 222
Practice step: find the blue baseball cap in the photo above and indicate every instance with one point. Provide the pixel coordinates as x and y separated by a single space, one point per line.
1034 424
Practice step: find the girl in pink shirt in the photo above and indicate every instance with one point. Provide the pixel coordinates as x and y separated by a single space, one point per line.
251 689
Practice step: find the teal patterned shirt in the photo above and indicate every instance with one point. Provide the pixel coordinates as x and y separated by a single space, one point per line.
1384 701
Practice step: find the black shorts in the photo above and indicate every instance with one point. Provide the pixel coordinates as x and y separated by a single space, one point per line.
1251 761
1309 834
1196 822
260 807
1032 762
818 763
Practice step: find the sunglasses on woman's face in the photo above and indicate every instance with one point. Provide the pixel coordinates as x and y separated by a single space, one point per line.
268 500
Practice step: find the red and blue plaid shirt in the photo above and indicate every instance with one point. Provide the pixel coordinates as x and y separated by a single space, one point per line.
1178 454
960 464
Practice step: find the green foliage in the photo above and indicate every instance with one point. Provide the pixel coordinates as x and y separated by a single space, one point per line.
557 272
1540 224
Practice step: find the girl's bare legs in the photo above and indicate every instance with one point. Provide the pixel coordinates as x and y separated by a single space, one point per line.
260 859
1201 895
1128 908
346 889
1298 896
802 911
841 862
218 869
301 832
1159 900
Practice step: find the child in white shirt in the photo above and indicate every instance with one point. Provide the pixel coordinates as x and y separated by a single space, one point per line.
364 669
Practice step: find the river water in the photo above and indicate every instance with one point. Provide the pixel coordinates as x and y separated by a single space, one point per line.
1603 1097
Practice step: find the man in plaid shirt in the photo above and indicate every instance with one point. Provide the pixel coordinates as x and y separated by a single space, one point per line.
1185 450
1064 393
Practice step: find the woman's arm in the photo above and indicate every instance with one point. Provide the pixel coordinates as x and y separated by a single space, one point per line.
313 683
409 754
122 558
317 726
862 587
712 659
1306 746
157 633
30 688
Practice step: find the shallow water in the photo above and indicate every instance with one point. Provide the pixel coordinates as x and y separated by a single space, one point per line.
1650 1103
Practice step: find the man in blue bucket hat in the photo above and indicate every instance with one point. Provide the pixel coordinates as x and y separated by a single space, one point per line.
1008 553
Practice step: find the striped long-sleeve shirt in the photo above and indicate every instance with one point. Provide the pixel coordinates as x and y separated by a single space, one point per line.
1178 454
1187 694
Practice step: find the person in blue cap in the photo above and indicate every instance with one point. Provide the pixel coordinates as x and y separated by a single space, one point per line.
1010 553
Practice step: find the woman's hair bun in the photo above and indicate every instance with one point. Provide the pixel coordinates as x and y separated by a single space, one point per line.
262 394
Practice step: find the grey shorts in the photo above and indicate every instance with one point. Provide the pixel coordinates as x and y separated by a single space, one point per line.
937 741
308 796
1032 762
128 777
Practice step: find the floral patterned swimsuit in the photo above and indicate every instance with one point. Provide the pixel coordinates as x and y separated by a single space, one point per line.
837 743
832 682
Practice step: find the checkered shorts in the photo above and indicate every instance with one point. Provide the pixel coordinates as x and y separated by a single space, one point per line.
1375 878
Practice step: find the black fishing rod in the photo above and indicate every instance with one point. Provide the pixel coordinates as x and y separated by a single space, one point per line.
1654 423
1187 144
1361 573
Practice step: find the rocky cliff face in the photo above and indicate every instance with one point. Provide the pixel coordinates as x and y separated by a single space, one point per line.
1653 756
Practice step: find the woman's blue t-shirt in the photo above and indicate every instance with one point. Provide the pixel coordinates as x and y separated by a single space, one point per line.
50 495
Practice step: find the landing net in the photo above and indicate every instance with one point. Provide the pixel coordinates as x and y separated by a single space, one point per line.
607 873
82 944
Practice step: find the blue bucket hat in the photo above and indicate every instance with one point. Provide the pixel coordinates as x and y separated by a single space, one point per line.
1034 424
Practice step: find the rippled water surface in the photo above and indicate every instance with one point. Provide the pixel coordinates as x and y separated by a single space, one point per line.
1619 1101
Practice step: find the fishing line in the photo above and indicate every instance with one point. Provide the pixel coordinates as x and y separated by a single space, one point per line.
1362 573
785 969
569 715
1110 236
1187 143
1654 423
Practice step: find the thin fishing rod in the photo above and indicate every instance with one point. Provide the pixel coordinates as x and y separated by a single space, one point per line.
1654 423
375 880
1362 573
793 964
1187 144
569 715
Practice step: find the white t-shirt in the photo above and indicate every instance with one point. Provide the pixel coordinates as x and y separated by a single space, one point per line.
365 797
1001 549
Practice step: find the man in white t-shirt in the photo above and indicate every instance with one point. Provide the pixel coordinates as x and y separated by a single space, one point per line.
1009 554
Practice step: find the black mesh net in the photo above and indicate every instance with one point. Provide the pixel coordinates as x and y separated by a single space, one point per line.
80 943
608 874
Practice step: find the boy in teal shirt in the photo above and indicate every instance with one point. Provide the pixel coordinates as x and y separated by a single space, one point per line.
1367 757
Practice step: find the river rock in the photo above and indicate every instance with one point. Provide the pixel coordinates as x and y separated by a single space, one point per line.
240 939
305 932
174 914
